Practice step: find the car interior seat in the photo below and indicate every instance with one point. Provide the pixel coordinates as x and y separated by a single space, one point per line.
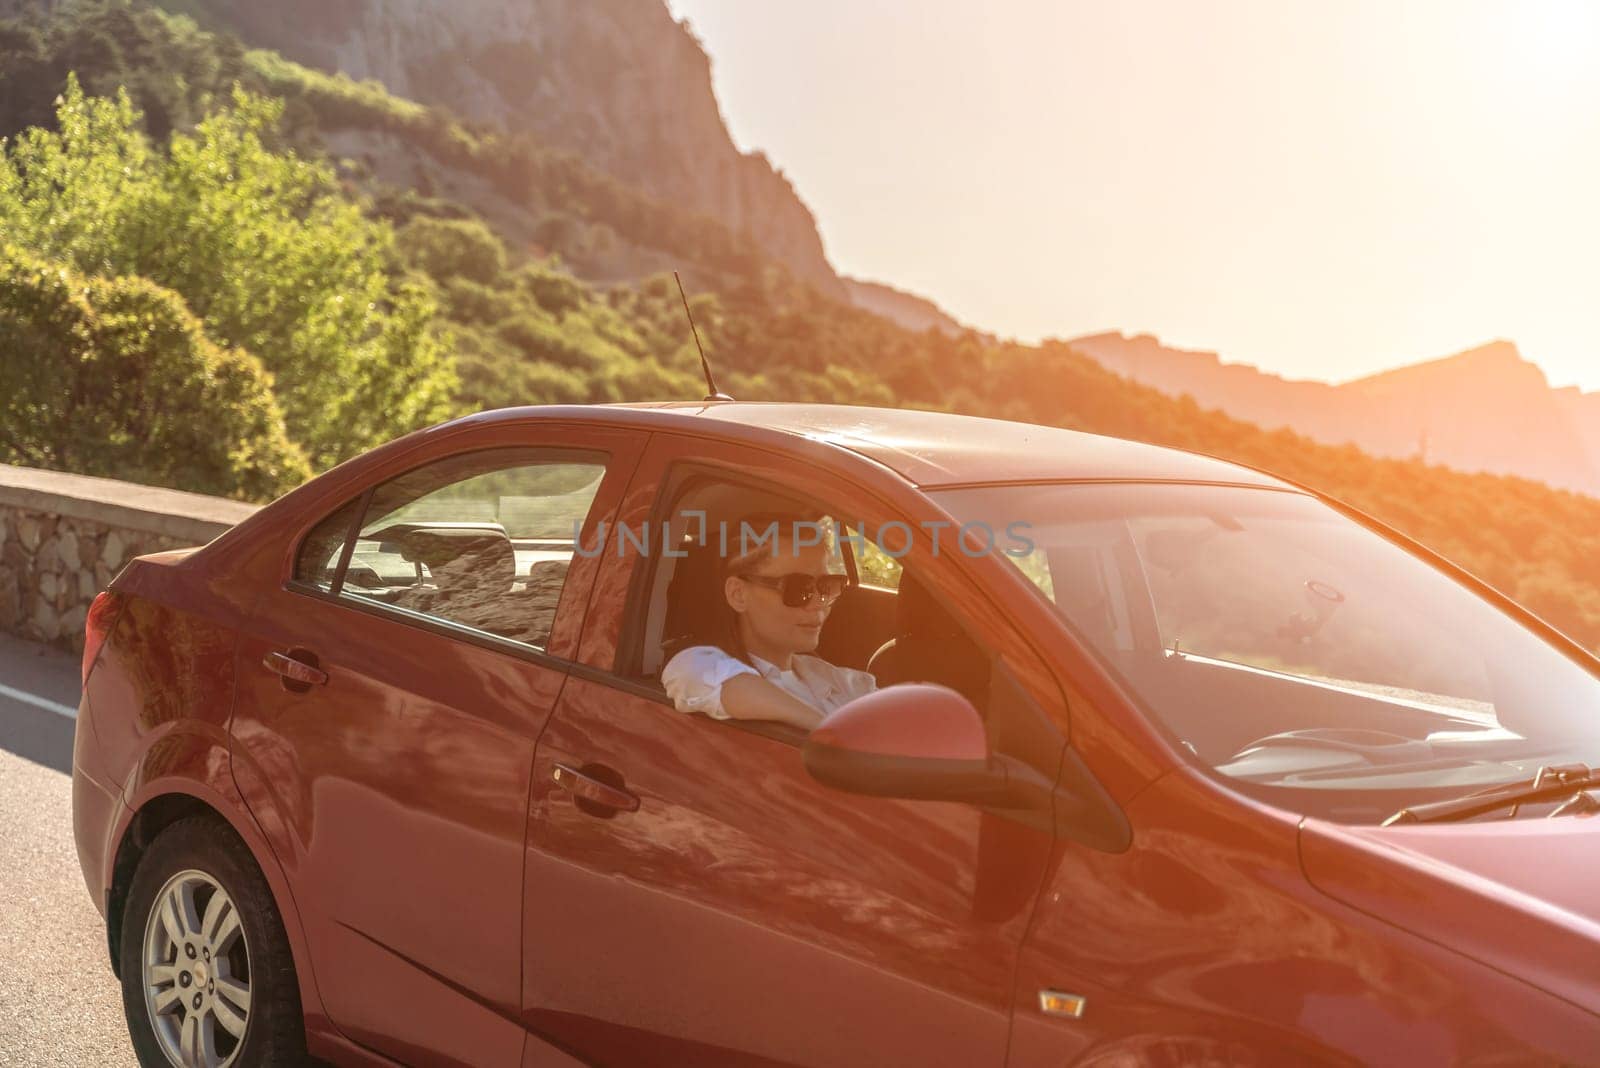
930 646
693 599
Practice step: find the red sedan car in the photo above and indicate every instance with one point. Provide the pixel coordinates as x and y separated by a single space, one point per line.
1189 766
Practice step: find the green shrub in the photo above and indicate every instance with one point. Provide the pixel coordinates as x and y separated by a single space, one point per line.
115 377
453 248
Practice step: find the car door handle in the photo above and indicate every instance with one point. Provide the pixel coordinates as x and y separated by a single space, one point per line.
586 788
294 670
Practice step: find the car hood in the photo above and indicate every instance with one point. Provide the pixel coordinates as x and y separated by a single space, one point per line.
1522 896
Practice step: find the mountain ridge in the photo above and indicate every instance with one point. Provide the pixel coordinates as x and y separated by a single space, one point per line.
1485 409
906 308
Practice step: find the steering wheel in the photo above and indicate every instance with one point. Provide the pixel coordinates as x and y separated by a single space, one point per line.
1379 747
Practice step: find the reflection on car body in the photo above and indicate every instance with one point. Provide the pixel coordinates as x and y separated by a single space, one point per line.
418 745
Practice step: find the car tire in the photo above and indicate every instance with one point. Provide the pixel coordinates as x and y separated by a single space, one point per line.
207 980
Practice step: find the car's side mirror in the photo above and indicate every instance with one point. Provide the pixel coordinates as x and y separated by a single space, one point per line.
921 742
916 741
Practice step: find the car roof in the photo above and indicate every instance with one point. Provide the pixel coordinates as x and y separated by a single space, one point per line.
926 448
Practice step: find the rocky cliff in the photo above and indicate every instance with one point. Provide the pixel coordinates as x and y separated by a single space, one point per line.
618 82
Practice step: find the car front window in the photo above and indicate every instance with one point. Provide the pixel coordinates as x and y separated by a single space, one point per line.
1291 648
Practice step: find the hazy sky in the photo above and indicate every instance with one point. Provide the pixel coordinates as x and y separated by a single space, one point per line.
1322 189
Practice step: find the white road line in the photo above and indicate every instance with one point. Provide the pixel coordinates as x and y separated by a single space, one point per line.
38 702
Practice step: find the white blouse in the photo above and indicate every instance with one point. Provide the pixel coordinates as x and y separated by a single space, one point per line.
695 676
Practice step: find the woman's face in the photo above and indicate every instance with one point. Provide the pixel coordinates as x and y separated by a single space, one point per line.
771 624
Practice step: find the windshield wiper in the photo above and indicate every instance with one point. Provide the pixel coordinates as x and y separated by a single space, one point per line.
1552 783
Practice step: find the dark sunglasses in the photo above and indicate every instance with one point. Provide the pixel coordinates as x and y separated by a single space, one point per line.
798 588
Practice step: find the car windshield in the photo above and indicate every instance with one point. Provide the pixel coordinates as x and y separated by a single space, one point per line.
1310 660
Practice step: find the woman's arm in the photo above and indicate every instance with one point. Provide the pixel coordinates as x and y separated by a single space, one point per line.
753 697
703 678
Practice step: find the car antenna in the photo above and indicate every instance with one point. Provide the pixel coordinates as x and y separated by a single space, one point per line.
712 392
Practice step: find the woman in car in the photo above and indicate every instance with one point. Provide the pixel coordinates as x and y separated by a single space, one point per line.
755 661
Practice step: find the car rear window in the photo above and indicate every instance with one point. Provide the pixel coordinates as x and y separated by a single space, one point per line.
318 561
480 540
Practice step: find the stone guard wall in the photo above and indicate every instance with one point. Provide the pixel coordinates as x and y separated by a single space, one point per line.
64 537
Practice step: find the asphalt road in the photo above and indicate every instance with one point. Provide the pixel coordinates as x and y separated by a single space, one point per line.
59 1002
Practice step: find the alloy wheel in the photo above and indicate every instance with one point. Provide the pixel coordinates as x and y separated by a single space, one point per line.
196 965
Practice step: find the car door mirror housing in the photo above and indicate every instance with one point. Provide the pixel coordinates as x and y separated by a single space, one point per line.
922 742
916 741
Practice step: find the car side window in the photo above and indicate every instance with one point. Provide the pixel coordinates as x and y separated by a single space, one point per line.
318 561
889 623
481 540
875 567
683 592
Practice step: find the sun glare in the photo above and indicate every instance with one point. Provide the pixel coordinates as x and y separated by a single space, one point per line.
1553 40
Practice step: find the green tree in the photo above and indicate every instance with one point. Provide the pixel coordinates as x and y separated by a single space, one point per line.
453 248
115 377
262 247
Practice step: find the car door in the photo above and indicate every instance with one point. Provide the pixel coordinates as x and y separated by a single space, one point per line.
694 897
390 693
